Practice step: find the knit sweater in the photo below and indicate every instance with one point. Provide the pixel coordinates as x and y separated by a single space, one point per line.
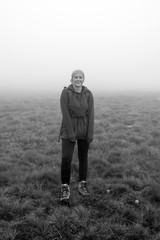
77 114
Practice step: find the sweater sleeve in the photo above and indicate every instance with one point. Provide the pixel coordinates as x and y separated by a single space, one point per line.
66 115
91 118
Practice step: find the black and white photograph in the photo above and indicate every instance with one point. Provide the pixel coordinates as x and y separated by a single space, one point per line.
80 120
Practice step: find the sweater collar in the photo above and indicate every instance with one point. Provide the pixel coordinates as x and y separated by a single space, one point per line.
70 87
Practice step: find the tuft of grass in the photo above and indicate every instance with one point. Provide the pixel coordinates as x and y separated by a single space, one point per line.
127 217
151 219
33 227
5 179
152 193
137 232
136 139
11 208
155 134
70 222
48 177
8 233
114 171
99 186
90 234
99 166
134 183
4 166
115 157
156 236
120 189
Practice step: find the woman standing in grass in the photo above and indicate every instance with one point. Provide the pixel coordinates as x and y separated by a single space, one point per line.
77 107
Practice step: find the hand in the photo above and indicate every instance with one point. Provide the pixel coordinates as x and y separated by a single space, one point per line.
72 139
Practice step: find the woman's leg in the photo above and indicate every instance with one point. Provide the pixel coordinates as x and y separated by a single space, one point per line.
67 154
83 147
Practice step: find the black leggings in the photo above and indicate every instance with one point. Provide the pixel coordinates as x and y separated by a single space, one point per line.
67 154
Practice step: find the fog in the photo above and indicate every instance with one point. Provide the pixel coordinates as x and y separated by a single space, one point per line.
116 43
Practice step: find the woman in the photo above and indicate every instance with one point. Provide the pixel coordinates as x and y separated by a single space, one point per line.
77 107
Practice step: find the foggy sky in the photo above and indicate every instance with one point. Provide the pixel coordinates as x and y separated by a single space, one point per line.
116 43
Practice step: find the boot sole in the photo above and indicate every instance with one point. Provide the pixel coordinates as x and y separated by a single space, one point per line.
84 195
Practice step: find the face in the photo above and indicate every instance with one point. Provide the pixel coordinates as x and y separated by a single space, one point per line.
77 80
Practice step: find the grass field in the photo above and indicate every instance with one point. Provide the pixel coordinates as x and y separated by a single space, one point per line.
124 171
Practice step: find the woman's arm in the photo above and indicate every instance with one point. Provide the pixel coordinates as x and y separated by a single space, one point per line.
67 123
90 118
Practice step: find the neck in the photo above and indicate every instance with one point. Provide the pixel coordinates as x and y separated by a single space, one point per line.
77 89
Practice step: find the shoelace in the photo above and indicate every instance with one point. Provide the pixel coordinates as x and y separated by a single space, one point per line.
84 187
64 191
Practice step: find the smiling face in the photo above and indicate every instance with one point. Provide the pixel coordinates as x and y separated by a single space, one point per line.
77 80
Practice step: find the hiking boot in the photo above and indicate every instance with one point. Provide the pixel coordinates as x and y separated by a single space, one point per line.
82 189
65 192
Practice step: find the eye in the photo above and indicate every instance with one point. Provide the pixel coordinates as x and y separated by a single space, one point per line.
80 77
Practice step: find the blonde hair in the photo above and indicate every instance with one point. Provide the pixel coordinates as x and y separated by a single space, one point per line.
77 71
